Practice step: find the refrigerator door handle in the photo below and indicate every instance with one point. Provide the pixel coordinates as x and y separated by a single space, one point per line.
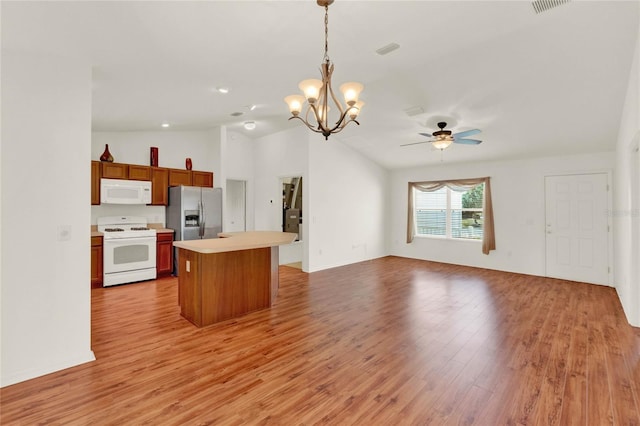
203 221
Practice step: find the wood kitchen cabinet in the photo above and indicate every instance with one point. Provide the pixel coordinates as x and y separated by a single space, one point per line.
95 183
164 254
137 172
159 186
161 179
96 262
202 179
179 177
115 170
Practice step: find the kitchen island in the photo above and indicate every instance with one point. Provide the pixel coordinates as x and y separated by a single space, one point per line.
230 276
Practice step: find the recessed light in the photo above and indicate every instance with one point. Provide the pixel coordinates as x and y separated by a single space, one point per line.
249 125
165 125
222 89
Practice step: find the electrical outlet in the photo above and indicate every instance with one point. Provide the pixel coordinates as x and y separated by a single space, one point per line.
188 266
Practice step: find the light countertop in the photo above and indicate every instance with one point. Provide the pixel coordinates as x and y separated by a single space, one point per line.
234 241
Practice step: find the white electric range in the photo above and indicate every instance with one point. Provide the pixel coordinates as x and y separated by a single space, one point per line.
129 248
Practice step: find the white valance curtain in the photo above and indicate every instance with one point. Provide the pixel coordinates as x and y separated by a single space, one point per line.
488 235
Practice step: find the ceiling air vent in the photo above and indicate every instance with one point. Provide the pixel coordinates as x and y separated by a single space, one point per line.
387 49
543 5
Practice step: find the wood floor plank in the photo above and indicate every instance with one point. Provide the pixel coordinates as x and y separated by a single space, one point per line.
391 341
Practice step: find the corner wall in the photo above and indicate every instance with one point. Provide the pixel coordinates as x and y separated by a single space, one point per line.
626 220
344 197
46 129
347 211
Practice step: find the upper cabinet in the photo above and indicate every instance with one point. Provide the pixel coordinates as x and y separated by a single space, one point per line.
179 177
159 186
95 183
137 172
161 179
202 179
115 170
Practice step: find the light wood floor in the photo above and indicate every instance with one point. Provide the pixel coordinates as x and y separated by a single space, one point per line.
386 342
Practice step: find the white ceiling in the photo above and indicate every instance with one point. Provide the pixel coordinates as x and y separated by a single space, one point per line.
535 84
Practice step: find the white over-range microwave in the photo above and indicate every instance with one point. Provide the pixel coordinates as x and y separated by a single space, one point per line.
117 191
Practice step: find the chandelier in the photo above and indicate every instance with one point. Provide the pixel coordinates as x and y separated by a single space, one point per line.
317 94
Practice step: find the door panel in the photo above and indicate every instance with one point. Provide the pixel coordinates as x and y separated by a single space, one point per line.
577 239
236 206
212 205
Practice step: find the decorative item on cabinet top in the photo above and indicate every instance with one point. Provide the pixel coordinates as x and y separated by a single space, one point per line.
188 164
153 156
106 155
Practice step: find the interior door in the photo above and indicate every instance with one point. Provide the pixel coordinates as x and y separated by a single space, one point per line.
577 227
236 206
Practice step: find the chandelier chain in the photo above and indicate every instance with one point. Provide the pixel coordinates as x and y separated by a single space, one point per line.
326 33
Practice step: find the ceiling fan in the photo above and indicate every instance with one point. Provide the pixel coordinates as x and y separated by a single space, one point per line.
443 138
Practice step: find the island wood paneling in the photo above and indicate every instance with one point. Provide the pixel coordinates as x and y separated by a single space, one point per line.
225 285
390 341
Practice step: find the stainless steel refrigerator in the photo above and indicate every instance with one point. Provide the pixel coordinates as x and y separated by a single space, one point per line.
193 213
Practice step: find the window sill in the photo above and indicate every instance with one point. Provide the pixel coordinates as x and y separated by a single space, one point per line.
437 237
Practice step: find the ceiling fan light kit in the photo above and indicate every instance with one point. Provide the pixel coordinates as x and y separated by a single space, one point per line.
443 138
318 92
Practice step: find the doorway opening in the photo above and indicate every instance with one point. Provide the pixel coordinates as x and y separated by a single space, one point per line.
292 205
236 206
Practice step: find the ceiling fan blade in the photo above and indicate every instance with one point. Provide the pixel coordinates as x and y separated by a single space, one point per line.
467 141
426 134
415 143
466 133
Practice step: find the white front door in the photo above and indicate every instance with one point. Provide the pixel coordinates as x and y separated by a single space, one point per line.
236 206
577 227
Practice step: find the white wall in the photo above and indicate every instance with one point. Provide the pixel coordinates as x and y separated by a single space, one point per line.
517 189
46 126
347 212
626 216
174 147
283 154
344 198
237 152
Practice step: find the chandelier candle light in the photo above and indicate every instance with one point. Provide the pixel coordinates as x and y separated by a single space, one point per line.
317 93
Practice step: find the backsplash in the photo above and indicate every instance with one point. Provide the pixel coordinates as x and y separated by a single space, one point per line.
154 214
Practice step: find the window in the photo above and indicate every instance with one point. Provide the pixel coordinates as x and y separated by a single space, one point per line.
449 213
467 212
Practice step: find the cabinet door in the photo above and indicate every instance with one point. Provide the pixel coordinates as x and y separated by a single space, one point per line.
96 262
179 177
95 183
137 172
164 254
159 186
202 179
115 170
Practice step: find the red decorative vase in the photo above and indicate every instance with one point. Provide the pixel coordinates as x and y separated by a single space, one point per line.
188 164
153 156
106 155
